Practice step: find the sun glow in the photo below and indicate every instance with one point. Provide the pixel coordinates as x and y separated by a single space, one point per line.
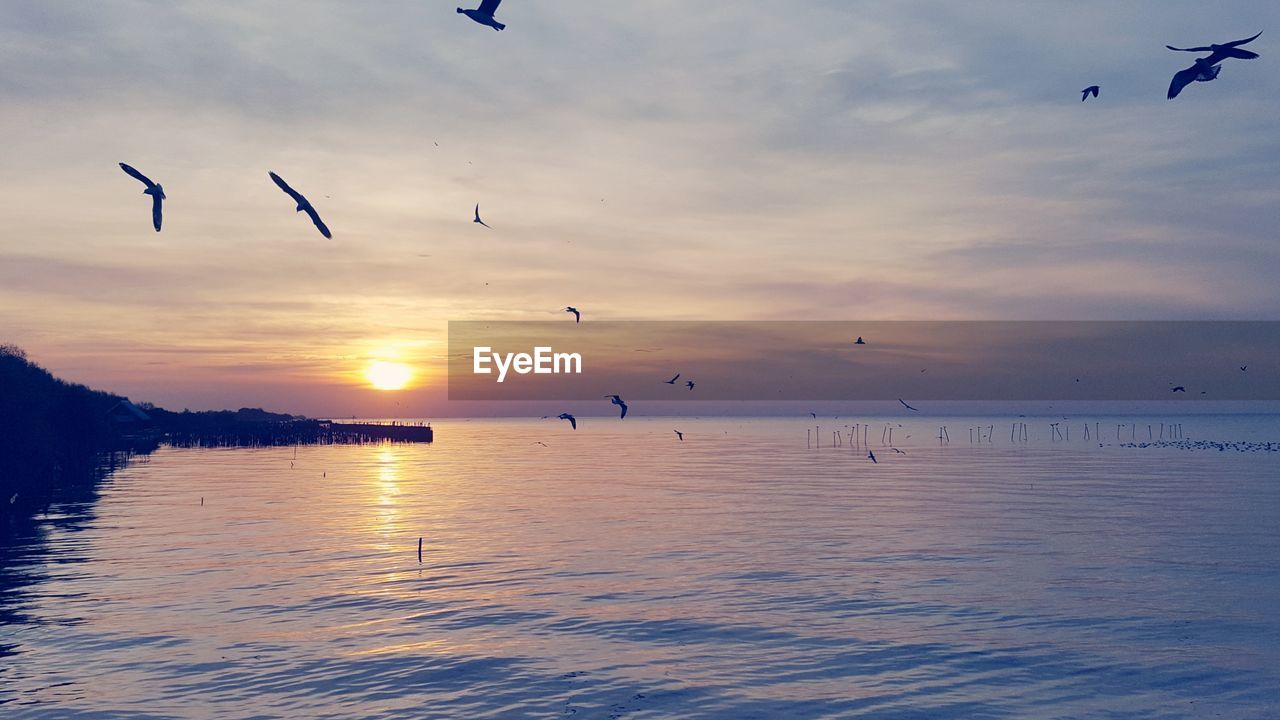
384 375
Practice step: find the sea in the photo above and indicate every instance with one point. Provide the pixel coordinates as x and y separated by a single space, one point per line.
983 567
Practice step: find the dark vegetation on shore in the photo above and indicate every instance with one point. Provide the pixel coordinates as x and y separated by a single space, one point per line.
48 427
55 434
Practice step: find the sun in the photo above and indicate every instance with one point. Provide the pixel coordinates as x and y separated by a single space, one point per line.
384 375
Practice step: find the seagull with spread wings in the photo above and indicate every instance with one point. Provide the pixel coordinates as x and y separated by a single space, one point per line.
484 14
1091 90
618 401
673 380
1207 68
905 405
155 190
478 220
304 205
573 421
577 316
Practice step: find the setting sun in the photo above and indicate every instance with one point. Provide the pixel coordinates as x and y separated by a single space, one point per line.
385 375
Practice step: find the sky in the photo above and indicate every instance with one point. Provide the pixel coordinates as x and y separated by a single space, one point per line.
747 160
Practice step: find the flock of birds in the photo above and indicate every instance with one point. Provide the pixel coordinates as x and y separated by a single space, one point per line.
1204 69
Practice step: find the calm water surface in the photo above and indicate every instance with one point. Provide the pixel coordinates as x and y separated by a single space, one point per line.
619 573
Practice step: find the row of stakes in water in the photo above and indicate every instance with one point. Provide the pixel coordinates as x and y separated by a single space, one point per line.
857 436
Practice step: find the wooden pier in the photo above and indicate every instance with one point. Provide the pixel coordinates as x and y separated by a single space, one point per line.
376 432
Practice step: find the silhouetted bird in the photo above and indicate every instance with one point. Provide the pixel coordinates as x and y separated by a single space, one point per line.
689 384
577 316
155 190
872 457
673 380
1220 52
1207 68
859 341
814 415
484 14
1244 368
572 420
679 435
1180 389
1201 71
478 220
905 405
304 205
1085 93
618 401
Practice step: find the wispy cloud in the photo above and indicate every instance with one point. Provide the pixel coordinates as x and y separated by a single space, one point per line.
640 160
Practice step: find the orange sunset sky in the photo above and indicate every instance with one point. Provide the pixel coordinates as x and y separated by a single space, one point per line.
649 161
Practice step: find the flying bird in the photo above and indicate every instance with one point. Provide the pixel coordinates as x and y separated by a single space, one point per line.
478 220
573 421
689 384
1201 71
859 341
1220 52
1244 368
484 14
618 401
814 415
872 457
673 380
905 405
155 190
1180 389
1091 90
304 205
577 316
1207 68
679 435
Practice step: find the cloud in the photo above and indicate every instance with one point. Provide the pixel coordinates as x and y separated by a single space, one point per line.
643 160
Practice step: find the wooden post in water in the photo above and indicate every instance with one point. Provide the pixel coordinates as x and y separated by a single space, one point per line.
419 551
